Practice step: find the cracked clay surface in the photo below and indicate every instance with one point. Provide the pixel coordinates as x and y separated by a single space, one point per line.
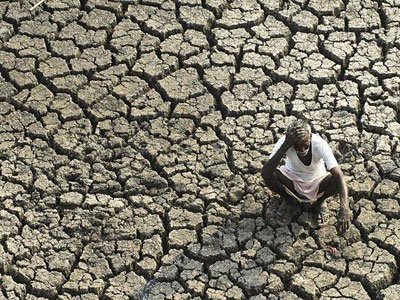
133 133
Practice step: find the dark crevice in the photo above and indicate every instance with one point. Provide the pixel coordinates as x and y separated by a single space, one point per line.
218 11
5 74
16 23
239 59
216 93
365 238
361 110
382 15
167 228
73 267
48 84
156 167
59 150
84 4
153 83
229 150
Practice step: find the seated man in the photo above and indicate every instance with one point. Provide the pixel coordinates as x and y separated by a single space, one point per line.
304 177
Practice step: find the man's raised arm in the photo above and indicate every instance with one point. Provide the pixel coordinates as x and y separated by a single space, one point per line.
291 136
271 164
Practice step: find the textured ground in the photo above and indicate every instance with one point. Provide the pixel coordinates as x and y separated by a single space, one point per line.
133 134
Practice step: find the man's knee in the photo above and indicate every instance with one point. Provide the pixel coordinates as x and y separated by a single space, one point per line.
270 179
329 186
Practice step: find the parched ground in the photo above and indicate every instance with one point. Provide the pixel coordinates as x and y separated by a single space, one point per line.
132 135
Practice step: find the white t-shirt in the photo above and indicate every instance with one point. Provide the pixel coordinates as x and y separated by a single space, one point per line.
322 156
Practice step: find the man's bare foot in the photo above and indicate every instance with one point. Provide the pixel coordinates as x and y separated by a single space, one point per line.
322 214
284 213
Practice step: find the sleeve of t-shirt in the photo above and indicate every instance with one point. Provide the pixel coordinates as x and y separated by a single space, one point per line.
328 157
277 146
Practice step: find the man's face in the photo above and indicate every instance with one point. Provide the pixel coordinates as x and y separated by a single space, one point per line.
303 146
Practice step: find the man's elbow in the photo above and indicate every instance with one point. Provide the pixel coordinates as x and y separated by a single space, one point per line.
336 172
338 175
266 172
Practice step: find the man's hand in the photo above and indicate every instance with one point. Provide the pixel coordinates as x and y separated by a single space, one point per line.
344 218
293 135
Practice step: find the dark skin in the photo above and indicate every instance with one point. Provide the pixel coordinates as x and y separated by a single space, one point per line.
335 183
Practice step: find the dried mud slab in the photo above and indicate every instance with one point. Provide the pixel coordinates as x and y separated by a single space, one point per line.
133 134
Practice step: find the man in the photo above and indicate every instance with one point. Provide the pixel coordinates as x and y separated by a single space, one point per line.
305 176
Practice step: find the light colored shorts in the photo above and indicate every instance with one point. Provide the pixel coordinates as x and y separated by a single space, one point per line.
307 189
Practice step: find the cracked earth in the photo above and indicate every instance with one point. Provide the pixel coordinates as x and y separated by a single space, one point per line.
133 135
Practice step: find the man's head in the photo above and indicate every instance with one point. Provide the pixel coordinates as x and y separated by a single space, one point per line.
303 140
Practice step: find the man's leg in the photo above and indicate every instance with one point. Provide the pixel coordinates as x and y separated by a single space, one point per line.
329 187
277 183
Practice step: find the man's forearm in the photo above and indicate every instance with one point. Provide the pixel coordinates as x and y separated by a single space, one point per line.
274 161
342 187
